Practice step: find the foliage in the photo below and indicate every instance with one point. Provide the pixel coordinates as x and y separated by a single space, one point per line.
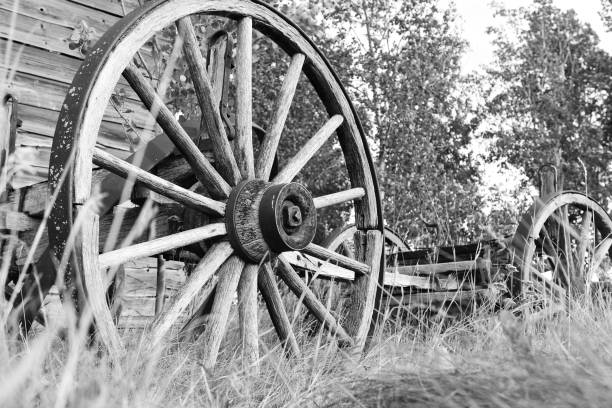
547 100
400 63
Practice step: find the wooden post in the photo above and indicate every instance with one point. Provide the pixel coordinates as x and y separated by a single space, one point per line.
548 181
160 287
8 134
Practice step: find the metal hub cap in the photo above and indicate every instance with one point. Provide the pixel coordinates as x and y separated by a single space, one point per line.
262 217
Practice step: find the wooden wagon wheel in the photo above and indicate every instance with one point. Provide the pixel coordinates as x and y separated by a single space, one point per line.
249 214
562 246
341 240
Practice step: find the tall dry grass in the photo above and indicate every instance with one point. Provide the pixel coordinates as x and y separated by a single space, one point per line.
487 358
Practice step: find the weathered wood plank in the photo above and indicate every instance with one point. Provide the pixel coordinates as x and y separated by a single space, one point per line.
28 30
46 64
63 13
438 268
111 6
48 94
42 122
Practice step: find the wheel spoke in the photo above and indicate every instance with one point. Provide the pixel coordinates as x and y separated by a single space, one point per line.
216 321
301 290
203 272
160 245
558 289
601 252
244 114
312 146
158 184
341 260
583 244
247 314
215 129
202 168
276 309
197 322
339 197
317 266
552 249
281 110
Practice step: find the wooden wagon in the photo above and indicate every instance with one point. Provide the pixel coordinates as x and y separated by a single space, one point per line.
147 220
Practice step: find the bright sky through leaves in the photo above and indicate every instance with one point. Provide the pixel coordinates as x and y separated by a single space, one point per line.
477 15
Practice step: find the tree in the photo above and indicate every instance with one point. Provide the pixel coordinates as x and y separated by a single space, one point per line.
401 62
547 102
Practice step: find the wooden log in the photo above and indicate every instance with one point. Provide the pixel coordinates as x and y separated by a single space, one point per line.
274 302
279 116
158 184
302 291
310 148
339 197
243 145
248 316
160 245
202 168
211 117
216 321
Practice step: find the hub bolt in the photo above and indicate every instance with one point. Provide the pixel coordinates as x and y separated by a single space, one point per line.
292 216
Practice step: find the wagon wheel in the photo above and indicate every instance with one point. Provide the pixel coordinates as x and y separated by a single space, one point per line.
562 247
248 213
341 240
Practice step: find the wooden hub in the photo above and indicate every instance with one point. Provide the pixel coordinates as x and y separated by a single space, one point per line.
262 217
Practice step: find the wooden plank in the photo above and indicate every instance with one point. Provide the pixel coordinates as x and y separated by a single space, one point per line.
17 221
438 268
28 30
46 64
63 13
421 282
111 7
48 94
35 150
427 298
42 121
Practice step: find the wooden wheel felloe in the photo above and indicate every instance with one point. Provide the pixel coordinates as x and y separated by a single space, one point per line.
254 225
562 246
341 239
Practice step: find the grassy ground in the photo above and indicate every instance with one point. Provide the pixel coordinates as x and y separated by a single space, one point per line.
487 359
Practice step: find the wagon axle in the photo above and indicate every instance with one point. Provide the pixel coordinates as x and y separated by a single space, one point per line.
263 217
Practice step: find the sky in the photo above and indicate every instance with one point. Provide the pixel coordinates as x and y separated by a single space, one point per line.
477 15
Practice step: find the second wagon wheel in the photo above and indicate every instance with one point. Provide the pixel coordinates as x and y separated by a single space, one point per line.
563 246
341 240
248 213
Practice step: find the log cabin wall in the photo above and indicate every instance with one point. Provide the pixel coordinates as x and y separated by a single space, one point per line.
42 44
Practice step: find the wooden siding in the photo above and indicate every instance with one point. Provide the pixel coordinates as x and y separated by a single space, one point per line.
37 67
